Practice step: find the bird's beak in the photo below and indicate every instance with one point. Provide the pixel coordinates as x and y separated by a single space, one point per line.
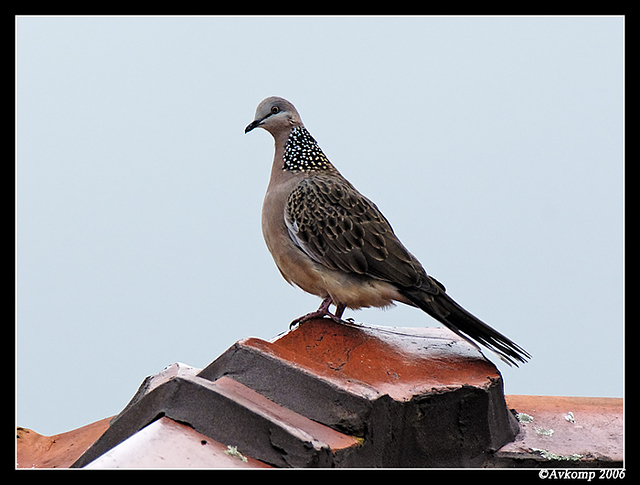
252 125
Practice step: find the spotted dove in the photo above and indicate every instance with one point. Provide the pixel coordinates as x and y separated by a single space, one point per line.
333 242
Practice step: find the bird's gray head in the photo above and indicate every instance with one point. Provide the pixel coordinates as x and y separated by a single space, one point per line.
275 115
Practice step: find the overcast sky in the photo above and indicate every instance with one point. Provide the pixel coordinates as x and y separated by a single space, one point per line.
493 145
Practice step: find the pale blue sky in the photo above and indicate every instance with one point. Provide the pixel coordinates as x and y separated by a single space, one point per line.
493 145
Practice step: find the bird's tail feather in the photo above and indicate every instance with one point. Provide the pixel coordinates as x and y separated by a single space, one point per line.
444 309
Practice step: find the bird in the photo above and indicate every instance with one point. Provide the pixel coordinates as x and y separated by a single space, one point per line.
333 242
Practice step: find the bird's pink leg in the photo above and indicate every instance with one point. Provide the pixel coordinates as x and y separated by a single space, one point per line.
339 310
322 312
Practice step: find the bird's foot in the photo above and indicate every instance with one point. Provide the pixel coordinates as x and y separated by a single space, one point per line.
321 312
310 316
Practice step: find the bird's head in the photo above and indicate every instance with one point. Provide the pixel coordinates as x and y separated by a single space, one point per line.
275 115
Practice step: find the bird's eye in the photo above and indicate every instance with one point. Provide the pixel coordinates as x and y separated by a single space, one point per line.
274 110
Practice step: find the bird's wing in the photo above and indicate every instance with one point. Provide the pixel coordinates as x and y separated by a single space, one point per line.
338 227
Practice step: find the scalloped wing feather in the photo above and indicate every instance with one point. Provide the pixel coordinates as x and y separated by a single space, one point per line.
338 227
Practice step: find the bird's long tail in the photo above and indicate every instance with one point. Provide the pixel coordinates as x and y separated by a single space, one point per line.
444 309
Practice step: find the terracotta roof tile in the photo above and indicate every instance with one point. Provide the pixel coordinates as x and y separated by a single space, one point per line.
328 395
